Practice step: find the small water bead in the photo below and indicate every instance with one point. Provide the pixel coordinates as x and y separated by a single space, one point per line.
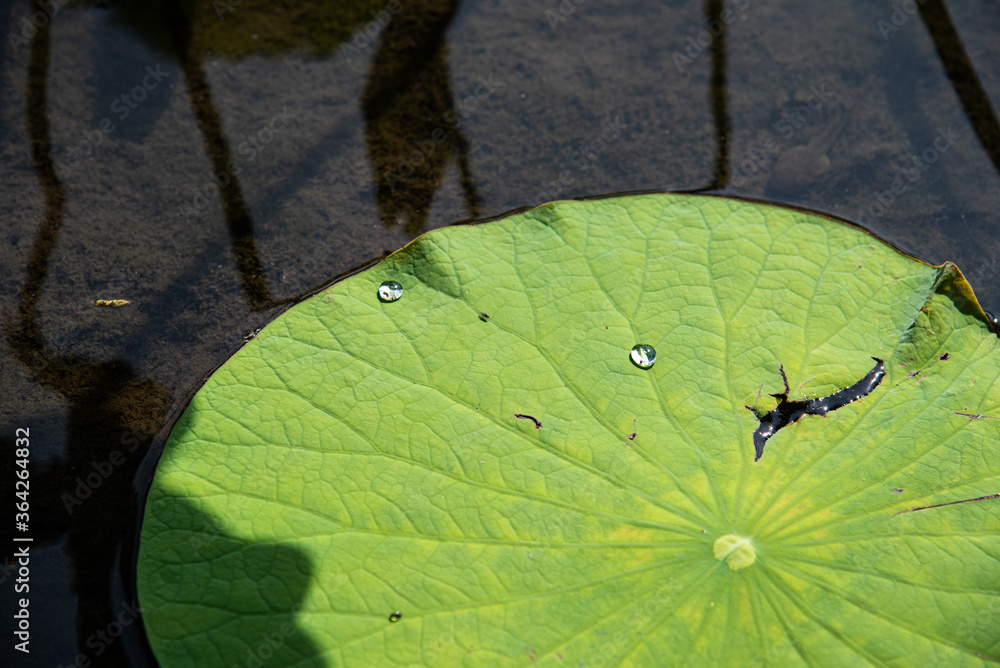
643 355
395 616
390 291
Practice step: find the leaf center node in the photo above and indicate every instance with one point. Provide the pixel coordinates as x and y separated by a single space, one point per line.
738 552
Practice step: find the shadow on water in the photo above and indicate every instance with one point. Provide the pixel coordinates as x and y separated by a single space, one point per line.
718 95
412 126
901 76
237 212
952 55
179 29
962 75
412 120
112 412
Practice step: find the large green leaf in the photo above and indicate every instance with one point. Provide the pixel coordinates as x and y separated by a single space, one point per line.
361 457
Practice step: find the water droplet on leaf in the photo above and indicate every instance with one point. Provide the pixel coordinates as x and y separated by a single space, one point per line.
390 291
395 616
643 355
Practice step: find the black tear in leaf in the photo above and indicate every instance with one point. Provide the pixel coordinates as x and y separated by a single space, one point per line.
788 412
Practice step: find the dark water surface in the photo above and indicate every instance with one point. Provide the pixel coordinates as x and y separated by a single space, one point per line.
122 119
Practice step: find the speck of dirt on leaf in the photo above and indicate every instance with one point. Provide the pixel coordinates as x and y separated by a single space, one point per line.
536 421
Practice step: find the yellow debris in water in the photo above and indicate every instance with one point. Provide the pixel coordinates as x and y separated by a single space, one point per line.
738 552
111 302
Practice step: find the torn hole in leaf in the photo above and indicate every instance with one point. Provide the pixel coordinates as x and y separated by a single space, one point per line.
787 412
